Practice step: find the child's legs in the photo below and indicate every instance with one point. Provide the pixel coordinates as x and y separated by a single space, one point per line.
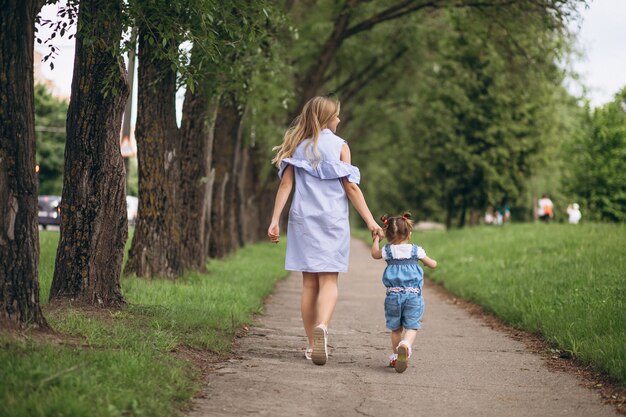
327 298
396 338
412 311
409 336
308 303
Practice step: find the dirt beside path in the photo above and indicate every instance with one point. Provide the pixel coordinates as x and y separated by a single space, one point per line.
460 365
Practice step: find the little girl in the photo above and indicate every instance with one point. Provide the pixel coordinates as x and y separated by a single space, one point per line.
404 278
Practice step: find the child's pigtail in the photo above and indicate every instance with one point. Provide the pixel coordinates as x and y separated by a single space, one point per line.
407 220
385 219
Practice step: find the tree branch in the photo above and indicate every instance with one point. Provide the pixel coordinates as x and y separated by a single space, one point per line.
367 75
409 6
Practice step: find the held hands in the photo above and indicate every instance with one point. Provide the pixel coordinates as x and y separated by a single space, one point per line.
376 231
273 233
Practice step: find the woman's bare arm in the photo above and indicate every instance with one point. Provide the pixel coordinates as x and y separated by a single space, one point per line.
282 195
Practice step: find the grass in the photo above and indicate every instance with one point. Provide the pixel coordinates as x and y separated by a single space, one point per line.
565 282
120 363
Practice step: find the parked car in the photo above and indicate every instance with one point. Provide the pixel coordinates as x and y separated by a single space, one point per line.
132 205
49 210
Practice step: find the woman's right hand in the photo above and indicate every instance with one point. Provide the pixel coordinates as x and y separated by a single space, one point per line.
376 230
273 233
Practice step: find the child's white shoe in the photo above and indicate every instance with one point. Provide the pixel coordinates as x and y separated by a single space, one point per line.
307 353
320 345
404 353
392 360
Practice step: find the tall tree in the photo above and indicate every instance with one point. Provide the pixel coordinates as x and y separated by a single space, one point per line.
467 108
218 69
227 156
155 250
197 173
596 160
93 211
19 236
495 108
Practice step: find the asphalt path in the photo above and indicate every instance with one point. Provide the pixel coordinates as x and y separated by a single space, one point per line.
460 366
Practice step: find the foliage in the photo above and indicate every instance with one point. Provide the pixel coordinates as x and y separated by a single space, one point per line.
553 163
597 159
50 114
467 102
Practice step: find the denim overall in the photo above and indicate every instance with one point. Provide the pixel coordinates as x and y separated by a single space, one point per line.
403 278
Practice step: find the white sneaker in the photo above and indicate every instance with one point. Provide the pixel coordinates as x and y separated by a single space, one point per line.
307 353
320 345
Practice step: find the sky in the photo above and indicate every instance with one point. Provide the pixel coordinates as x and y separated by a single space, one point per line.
602 39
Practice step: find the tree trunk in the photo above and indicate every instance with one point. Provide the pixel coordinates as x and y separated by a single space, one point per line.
156 246
94 227
226 154
474 217
463 215
196 183
260 193
244 200
19 236
449 211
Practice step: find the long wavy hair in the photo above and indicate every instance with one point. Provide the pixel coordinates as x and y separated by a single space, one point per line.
315 115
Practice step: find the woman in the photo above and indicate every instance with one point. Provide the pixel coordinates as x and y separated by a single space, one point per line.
318 244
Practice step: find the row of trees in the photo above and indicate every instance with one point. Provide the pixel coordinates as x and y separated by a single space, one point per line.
459 91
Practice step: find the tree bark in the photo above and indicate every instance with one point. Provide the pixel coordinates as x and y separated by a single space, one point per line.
449 211
94 227
19 235
196 184
260 193
226 157
156 247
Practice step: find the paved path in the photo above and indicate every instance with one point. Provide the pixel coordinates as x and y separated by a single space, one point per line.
460 367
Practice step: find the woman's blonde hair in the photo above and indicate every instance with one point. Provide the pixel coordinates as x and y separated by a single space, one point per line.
315 115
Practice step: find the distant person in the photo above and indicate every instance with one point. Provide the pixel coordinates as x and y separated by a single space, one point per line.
506 213
404 279
489 217
503 214
546 208
573 213
317 162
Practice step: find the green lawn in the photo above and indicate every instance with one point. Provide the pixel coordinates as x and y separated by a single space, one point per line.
120 363
567 282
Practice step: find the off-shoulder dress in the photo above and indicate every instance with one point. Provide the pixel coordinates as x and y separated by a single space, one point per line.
318 232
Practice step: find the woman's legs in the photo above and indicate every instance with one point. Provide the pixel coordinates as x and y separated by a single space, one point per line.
327 298
319 297
308 303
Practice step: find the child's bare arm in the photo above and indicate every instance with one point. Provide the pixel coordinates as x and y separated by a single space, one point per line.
376 252
431 263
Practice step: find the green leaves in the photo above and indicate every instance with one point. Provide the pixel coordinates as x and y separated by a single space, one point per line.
598 162
50 115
